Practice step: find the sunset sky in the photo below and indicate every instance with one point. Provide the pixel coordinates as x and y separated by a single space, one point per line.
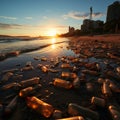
40 17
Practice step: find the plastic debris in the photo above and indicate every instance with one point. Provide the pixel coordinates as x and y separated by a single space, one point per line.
74 109
62 83
98 101
29 82
39 106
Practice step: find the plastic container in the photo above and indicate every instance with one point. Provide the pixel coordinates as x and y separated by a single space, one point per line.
27 68
62 83
76 83
6 77
98 101
65 65
14 85
106 90
29 90
29 82
68 75
74 109
114 112
40 106
72 118
44 69
11 106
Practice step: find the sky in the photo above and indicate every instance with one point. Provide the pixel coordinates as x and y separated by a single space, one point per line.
46 17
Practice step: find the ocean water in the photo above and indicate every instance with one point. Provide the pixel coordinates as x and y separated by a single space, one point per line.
10 45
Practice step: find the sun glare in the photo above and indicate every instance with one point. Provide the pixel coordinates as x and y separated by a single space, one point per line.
52 32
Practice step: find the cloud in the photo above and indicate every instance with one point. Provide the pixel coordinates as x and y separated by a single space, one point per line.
11 26
19 26
80 16
28 18
7 17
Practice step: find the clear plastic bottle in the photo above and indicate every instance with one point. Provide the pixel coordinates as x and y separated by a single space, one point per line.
40 106
62 83
74 109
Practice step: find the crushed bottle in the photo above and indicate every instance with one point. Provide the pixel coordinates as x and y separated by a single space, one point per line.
39 106
74 109
62 83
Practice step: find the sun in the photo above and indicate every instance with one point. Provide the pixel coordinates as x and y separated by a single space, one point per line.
52 32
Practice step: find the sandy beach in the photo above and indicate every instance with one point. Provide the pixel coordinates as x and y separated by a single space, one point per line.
90 61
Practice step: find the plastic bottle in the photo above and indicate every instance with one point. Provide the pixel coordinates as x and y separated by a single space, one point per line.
29 90
65 74
74 109
57 114
98 101
14 85
29 82
7 76
62 83
65 65
44 69
106 90
11 106
114 87
76 83
40 106
25 92
72 118
27 68
114 112
68 75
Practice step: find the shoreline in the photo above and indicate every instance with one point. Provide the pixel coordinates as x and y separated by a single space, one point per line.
91 55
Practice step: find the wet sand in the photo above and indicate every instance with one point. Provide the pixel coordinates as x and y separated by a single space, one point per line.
99 54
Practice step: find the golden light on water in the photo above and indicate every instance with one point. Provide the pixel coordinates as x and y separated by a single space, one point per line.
53 41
